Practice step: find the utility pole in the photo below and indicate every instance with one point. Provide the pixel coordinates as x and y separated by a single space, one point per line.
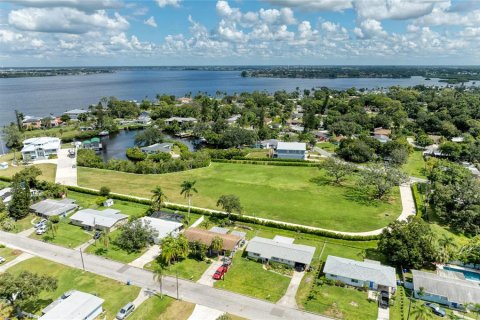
176 274
81 256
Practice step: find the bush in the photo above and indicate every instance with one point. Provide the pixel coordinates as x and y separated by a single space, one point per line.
100 200
104 191
54 219
135 154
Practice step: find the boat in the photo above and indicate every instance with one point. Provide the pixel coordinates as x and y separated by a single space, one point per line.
104 133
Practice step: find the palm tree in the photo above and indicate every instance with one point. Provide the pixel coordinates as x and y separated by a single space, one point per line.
421 312
217 244
52 227
188 188
158 198
105 237
168 250
158 276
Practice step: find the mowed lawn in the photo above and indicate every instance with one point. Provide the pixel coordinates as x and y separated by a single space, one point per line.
66 235
415 165
115 294
294 194
163 309
188 268
8 253
248 277
48 171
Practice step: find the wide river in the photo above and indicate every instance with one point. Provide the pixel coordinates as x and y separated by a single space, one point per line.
42 96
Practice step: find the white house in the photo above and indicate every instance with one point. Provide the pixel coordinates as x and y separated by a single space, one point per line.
6 195
180 120
282 250
108 203
51 207
291 150
40 148
233 119
95 219
74 305
368 273
144 118
448 288
163 227
73 114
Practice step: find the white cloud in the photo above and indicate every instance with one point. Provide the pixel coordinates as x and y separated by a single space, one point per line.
150 22
165 3
64 20
470 32
86 5
393 9
315 5
369 28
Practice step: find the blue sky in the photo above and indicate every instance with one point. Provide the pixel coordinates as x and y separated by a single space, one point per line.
181 32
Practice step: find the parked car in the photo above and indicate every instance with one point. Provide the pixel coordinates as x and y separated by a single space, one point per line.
125 311
97 235
41 223
2 259
220 272
384 299
41 230
436 309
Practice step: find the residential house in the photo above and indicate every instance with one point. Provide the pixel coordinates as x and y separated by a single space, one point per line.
158 147
32 122
269 144
381 138
74 305
40 148
100 220
184 100
368 273
458 139
446 287
233 119
282 250
382 131
230 242
291 150
50 207
6 195
108 203
144 118
74 113
163 227
180 120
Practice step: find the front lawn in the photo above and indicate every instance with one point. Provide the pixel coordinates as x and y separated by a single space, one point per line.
48 171
342 303
188 268
248 277
116 294
163 309
259 154
295 194
24 224
9 254
327 146
67 235
415 165
114 252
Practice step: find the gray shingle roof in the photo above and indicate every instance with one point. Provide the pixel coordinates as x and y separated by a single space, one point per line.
106 218
219 230
456 290
51 207
268 248
364 271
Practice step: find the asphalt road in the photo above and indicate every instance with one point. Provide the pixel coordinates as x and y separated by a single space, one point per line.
225 301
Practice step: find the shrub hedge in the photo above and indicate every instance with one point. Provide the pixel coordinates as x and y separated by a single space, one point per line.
270 163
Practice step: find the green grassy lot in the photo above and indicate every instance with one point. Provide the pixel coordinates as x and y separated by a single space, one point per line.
415 165
248 277
342 303
294 194
327 146
67 235
259 154
114 252
163 309
9 254
116 294
64 132
188 268
48 171
25 223
129 208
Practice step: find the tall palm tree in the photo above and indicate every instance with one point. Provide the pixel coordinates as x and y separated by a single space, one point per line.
217 244
158 277
188 188
158 198
52 227
105 237
168 250
447 245
421 312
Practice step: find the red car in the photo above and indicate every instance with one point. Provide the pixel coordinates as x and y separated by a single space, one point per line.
220 272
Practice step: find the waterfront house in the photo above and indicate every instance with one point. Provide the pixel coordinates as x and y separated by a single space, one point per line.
163 227
94 219
446 287
50 207
74 305
158 147
291 150
144 118
368 273
74 113
180 120
40 148
282 250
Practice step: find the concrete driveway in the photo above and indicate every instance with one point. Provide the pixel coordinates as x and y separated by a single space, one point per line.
66 174
383 314
145 258
204 313
288 300
206 277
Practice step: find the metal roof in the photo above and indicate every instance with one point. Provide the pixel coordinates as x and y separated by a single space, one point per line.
75 111
219 230
268 248
106 218
291 146
162 147
51 207
240 234
454 289
361 270
77 306
163 227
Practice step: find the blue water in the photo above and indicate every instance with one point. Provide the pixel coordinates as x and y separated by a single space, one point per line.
469 275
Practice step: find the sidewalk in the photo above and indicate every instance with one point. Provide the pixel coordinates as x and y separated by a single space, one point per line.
204 313
22 257
145 258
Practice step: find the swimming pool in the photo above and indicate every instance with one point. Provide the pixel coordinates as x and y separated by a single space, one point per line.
469 275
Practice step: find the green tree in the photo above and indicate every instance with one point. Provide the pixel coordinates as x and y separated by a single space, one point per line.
105 238
52 226
149 136
104 191
378 180
135 236
19 206
217 244
29 176
337 169
24 289
470 252
422 312
409 244
158 198
12 136
230 203
158 277
173 249
187 190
